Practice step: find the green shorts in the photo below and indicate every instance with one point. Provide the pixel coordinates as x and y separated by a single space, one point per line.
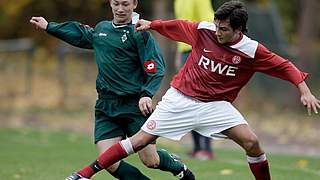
117 116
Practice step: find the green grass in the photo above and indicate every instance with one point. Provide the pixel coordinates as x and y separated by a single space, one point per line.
27 154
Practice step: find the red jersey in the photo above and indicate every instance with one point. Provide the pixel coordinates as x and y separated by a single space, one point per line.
214 71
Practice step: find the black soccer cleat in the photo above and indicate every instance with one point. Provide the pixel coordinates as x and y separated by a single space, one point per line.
186 174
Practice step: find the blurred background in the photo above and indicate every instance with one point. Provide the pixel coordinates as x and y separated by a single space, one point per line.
45 83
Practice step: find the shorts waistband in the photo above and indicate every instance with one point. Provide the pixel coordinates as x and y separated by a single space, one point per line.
102 94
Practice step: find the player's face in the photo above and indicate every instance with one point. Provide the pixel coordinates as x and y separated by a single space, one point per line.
225 33
122 10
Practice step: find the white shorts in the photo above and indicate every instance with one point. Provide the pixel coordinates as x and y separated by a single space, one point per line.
177 114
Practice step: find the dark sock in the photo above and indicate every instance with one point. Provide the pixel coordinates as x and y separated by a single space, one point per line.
126 171
167 163
207 143
260 170
196 140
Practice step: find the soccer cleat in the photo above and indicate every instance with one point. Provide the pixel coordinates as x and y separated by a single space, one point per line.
185 174
75 176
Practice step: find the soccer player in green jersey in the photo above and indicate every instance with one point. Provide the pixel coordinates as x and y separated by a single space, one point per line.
130 69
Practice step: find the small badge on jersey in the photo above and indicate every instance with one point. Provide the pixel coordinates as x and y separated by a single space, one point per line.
151 124
236 59
124 38
150 66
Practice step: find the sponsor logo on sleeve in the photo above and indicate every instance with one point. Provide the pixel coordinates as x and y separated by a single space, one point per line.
150 66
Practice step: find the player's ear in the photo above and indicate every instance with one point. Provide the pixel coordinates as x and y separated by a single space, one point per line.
238 30
135 2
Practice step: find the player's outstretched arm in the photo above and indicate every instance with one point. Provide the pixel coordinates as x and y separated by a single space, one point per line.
39 22
308 99
142 25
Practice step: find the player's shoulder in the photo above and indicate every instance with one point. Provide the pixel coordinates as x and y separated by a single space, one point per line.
143 35
247 46
207 25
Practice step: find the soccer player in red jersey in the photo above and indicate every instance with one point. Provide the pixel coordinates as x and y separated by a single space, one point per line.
222 61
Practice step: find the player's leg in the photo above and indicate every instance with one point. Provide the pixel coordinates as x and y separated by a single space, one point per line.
205 152
220 119
208 147
202 146
120 170
196 142
246 138
108 132
115 153
172 126
161 159
150 156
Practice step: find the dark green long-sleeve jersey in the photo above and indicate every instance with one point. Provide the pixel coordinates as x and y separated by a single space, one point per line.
128 62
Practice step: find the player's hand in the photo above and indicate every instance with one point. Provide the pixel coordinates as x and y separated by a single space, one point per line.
142 25
39 22
311 102
145 105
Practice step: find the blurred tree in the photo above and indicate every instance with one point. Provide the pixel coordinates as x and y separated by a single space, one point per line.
308 32
290 17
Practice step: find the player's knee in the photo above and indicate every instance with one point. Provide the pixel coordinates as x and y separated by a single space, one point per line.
251 144
138 143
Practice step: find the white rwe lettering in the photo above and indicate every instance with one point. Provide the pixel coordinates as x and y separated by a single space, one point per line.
205 61
217 67
231 71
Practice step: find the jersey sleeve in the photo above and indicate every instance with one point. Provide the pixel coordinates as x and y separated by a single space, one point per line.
178 30
272 64
73 33
152 63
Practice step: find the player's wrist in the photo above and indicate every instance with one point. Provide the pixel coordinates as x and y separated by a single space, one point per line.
145 94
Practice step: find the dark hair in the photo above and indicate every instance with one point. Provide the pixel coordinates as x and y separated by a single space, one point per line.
236 12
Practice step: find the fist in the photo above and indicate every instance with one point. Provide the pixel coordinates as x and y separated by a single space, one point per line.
145 105
39 22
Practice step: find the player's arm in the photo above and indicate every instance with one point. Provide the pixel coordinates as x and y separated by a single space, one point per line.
152 63
274 65
73 33
177 30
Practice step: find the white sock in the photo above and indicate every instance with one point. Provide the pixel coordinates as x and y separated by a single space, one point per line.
258 159
127 146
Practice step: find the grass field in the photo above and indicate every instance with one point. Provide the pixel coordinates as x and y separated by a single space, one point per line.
28 154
